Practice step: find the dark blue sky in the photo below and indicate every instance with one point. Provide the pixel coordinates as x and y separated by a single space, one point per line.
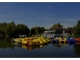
40 14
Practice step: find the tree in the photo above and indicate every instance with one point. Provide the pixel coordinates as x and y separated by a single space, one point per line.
32 30
56 25
42 29
2 26
10 29
76 29
22 29
37 30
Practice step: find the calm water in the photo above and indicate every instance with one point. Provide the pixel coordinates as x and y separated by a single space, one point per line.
7 49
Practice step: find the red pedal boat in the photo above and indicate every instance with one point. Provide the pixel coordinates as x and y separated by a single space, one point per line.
77 39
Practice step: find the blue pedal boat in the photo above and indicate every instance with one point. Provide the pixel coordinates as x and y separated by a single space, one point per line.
71 40
54 41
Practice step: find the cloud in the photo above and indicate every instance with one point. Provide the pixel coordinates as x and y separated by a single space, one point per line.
66 22
68 19
65 25
69 22
47 21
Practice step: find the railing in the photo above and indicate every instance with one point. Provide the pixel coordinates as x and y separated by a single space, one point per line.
53 35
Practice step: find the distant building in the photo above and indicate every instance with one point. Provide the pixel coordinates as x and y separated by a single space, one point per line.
57 32
54 33
69 30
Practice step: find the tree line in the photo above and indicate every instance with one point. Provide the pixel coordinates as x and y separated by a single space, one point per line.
12 29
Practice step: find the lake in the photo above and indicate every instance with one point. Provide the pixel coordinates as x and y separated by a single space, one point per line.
10 50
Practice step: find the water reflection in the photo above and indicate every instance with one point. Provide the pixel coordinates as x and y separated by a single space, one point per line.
76 49
32 47
68 49
78 43
28 47
59 45
5 43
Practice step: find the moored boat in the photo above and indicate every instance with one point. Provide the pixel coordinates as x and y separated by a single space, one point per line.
54 41
32 40
62 40
77 39
71 40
